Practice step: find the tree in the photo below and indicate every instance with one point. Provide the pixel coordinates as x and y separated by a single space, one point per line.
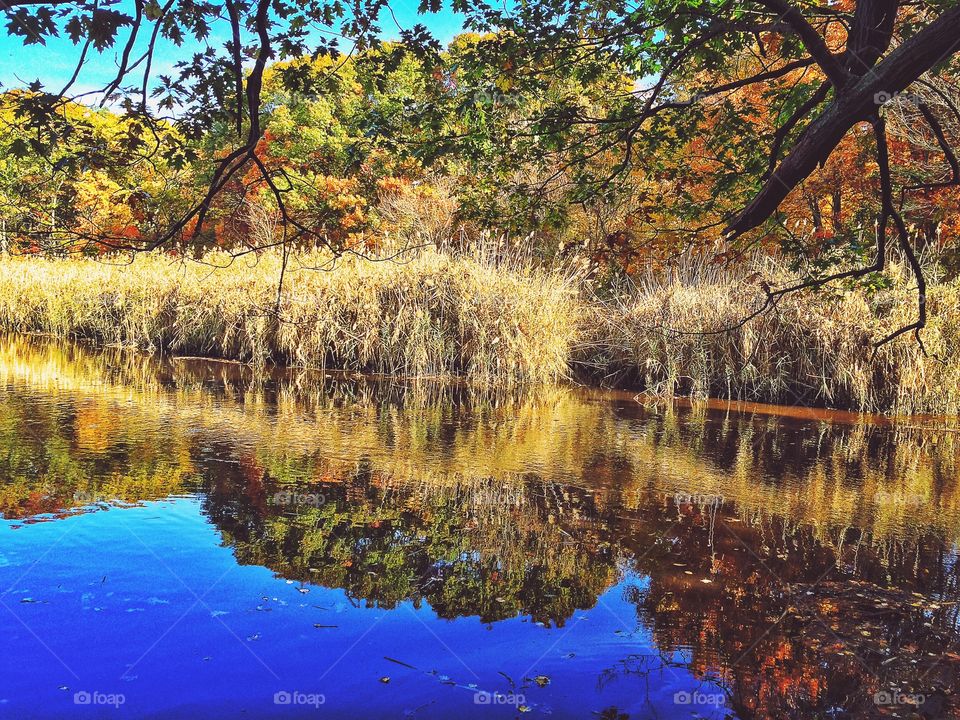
218 84
684 62
823 71
58 200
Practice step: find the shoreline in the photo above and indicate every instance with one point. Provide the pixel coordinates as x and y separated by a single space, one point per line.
502 326
281 372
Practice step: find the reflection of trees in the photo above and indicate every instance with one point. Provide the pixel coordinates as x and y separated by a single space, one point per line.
43 471
792 625
428 498
828 473
795 626
468 549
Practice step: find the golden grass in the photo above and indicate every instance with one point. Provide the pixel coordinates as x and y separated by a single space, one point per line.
500 319
814 348
487 319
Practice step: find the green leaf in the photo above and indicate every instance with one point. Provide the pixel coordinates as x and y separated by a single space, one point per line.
19 148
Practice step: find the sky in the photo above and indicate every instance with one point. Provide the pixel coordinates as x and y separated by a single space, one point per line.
54 63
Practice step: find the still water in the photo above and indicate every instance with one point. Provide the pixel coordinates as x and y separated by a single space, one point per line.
183 538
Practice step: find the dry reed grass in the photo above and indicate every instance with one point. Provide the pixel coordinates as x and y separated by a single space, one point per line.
494 316
487 318
815 348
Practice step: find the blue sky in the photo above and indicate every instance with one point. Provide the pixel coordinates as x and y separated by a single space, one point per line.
54 63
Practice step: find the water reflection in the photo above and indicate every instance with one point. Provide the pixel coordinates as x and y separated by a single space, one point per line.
804 567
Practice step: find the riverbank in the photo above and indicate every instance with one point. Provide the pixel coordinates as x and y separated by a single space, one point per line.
503 322
491 321
687 336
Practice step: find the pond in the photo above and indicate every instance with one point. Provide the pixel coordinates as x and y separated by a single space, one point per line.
185 538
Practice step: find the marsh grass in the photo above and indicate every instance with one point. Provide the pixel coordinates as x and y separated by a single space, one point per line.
494 316
685 335
485 318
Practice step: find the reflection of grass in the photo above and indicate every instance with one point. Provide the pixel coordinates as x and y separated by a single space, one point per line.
890 482
490 319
